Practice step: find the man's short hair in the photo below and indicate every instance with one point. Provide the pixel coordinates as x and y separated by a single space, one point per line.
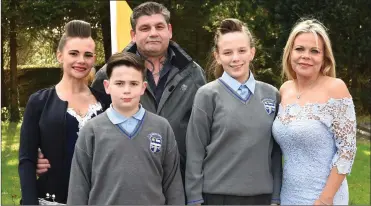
148 9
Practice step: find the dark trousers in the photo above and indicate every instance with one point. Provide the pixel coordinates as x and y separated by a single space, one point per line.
212 199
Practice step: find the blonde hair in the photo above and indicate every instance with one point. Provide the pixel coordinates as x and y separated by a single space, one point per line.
226 26
89 79
318 29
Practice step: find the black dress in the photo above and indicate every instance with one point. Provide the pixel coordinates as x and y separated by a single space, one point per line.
49 125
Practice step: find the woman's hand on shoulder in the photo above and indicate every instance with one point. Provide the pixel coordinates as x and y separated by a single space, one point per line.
337 88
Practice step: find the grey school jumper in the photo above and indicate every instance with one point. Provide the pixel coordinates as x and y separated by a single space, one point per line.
185 77
109 168
230 150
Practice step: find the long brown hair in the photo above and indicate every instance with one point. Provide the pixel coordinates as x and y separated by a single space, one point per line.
74 28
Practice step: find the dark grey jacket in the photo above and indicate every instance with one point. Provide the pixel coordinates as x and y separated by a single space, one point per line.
176 102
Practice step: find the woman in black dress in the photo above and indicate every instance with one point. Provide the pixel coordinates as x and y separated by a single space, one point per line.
54 115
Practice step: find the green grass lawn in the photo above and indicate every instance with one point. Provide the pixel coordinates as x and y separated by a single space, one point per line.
359 180
10 188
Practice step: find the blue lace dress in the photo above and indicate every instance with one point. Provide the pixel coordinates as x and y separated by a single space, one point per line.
314 138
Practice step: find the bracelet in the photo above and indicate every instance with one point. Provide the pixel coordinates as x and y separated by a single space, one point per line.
322 201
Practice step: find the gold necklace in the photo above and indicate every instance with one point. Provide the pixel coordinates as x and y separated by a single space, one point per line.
299 94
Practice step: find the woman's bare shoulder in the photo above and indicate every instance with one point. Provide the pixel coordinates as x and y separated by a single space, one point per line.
286 86
336 88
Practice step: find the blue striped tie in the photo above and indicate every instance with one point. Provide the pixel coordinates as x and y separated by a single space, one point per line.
243 91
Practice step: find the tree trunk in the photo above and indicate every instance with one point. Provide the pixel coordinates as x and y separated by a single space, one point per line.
106 29
3 89
14 106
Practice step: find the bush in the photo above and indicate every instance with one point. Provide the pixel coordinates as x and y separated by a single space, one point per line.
30 80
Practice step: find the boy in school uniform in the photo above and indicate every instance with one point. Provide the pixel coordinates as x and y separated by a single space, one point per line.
126 155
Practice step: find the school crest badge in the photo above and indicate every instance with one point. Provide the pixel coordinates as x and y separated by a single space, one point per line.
270 105
155 142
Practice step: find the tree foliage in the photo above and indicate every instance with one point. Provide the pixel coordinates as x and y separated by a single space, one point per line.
40 24
349 28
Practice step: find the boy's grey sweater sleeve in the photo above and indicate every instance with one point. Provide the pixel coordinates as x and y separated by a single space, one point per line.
172 181
277 172
100 76
198 137
81 168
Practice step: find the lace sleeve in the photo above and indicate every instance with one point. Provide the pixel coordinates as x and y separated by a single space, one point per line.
344 129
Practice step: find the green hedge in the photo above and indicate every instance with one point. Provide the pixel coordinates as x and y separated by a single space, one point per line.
31 80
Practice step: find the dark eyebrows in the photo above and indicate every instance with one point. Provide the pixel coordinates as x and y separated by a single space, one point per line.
119 81
77 51
122 81
148 25
161 24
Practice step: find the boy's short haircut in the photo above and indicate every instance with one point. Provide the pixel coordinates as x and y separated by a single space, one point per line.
128 59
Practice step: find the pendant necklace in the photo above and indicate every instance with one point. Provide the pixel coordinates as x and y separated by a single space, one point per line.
299 94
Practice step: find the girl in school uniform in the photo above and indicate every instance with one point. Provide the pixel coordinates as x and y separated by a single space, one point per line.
231 155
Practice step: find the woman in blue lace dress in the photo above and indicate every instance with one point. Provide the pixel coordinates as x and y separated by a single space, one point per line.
316 124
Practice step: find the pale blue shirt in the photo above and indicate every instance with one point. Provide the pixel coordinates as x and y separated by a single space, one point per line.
243 90
128 125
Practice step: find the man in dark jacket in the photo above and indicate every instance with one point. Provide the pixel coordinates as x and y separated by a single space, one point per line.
173 77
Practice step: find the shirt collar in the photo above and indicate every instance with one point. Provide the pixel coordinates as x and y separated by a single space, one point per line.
235 85
117 118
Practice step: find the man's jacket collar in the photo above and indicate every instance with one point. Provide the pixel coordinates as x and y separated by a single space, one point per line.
181 60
